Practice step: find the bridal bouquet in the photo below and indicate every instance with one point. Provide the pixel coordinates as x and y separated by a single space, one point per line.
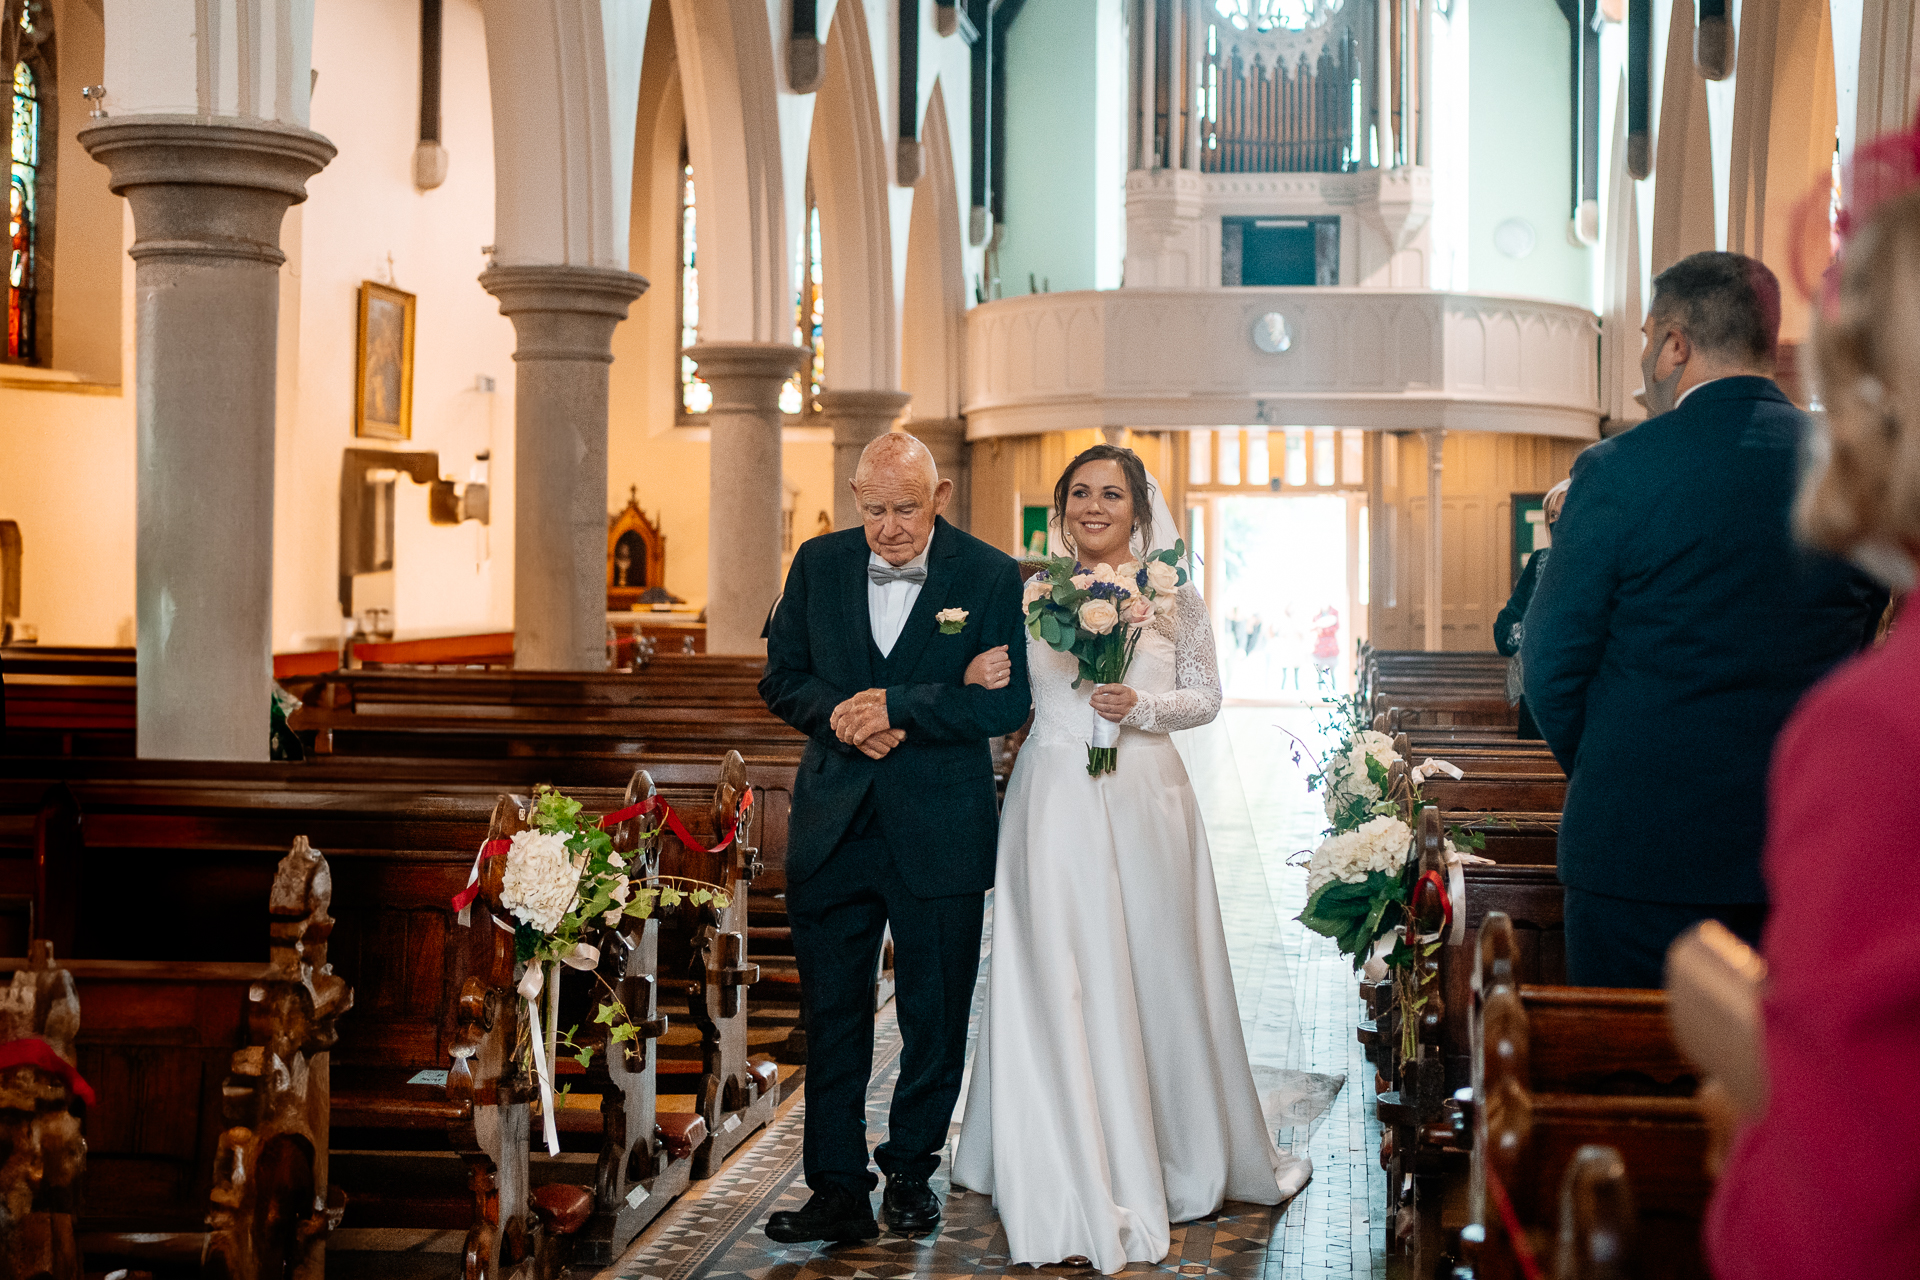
567 886
1097 615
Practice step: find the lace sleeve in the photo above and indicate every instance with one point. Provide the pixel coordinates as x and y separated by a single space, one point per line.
1195 699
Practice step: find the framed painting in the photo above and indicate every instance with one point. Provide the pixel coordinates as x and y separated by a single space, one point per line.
383 381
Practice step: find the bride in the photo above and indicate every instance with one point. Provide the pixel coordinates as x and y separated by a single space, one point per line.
1111 1092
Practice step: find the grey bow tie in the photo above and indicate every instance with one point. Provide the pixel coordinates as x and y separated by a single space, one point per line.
885 573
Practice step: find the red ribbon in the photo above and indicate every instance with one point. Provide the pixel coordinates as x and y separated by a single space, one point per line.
32 1051
1446 901
497 848
1522 1247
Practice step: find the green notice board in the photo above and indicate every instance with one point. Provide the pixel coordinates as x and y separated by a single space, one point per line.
1033 530
1529 530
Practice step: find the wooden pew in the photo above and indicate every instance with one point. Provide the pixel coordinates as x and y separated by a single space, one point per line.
39 1113
25 786
523 1224
208 1133
548 732
402 856
1562 1068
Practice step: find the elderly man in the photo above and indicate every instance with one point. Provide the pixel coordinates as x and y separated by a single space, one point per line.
1675 625
894 819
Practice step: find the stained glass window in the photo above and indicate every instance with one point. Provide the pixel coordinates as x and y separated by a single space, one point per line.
695 395
22 207
809 318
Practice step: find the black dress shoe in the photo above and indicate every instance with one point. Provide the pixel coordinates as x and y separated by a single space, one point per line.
910 1207
833 1214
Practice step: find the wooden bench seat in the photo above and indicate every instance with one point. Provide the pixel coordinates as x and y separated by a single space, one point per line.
202 1136
399 856
1558 1069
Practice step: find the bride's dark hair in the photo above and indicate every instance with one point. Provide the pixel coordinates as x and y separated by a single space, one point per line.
1139 484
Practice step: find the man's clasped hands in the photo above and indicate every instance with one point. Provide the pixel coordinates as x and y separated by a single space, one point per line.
862 721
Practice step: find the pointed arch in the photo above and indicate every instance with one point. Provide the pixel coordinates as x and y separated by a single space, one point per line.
725 54
847 154
933 309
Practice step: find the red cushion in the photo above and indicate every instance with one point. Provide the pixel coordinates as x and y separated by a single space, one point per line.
766 1073
682 1131
561 1207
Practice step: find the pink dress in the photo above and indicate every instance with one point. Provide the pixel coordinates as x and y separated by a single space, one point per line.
1827 1183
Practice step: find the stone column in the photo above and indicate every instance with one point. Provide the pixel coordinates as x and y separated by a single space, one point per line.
857 419
1436 452
946 438
743 478
563 320
207 202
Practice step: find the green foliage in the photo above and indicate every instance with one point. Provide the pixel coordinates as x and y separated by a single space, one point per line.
1353 915
554 811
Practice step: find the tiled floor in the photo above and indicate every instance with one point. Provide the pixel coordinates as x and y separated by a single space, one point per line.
1331 1231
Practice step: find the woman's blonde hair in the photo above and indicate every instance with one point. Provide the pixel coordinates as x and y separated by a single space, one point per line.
1863 486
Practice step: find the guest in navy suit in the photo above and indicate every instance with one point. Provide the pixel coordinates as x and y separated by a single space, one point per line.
1676 625
894 819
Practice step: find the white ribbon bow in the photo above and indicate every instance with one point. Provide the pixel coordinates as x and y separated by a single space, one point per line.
1431 768
530 985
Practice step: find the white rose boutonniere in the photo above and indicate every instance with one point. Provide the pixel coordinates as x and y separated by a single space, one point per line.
951 620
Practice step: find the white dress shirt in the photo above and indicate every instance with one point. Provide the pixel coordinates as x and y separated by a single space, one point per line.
889 603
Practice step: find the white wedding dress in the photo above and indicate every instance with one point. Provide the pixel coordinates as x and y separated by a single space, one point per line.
1111 1092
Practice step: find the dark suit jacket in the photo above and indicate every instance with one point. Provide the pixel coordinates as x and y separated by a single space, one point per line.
934 792
1673 629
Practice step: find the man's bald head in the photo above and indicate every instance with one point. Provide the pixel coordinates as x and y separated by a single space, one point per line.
902 454
898 491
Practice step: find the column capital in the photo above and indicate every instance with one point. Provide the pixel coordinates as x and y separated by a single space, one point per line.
563 312
202 191
746 376
860 416
945 438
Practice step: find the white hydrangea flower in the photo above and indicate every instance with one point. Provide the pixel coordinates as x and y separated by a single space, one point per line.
542 881
1347 775
1380 844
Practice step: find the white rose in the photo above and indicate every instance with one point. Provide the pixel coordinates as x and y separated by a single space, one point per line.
1165 604
1139 611
1037 589
622 890
1162 577
1129 573
1099 616
1084 581
542 881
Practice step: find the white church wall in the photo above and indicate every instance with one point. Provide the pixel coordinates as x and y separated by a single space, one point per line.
1052 160
67 432
1519 156
364 220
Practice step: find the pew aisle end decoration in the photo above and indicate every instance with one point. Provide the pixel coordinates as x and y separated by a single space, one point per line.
569 889
1365 889
1097 615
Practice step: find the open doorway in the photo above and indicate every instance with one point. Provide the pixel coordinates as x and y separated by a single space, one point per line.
1282 580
